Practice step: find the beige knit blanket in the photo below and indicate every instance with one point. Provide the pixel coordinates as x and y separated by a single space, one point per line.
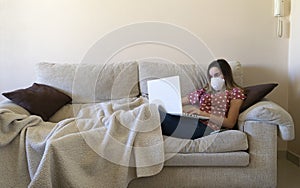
105 145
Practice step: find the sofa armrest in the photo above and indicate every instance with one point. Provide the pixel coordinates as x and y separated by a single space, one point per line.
262 142
6 104
269 112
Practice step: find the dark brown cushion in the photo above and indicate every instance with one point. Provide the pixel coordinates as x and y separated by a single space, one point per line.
39 99
255 93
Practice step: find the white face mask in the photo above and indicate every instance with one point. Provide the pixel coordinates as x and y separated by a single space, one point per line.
217 83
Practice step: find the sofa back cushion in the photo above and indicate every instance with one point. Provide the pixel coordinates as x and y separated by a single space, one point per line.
192 76
89 83
237 72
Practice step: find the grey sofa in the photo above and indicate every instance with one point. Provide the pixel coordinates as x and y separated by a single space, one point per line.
246 157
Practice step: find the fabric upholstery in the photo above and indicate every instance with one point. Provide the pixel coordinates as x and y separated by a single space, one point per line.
260 172
213 143
270 113
239 158
237 72
230 140
65 112
255 167
88 83
192 76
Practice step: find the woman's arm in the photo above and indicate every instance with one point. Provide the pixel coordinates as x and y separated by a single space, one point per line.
228 121
195 95
185 100
233 113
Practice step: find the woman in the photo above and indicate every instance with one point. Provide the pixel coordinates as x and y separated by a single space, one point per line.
220 101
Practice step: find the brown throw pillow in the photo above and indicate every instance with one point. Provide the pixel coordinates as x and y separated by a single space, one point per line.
255 93
39 99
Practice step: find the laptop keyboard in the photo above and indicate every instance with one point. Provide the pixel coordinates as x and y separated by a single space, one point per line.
194 116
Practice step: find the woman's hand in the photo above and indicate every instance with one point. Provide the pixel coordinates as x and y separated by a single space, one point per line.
194 110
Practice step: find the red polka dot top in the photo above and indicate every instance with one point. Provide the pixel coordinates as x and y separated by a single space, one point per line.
215 103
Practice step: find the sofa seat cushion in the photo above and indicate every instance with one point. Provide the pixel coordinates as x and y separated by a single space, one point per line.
64 113
226 141
239 158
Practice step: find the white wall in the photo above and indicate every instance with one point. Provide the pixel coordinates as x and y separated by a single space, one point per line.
63 30
294 68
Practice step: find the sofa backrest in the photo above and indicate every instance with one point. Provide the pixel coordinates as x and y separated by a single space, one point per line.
89 83
192 76
237 72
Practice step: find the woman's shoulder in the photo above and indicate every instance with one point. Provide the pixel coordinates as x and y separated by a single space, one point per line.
199 91
202 89
237 92
237 89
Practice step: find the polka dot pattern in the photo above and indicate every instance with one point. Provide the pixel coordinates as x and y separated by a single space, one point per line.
217 103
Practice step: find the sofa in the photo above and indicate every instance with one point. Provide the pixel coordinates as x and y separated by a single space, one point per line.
91 125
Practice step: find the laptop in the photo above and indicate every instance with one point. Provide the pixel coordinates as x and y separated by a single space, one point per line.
166 93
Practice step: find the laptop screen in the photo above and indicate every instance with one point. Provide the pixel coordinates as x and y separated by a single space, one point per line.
165 92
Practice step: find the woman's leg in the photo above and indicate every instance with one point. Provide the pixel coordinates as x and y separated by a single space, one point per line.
182 127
